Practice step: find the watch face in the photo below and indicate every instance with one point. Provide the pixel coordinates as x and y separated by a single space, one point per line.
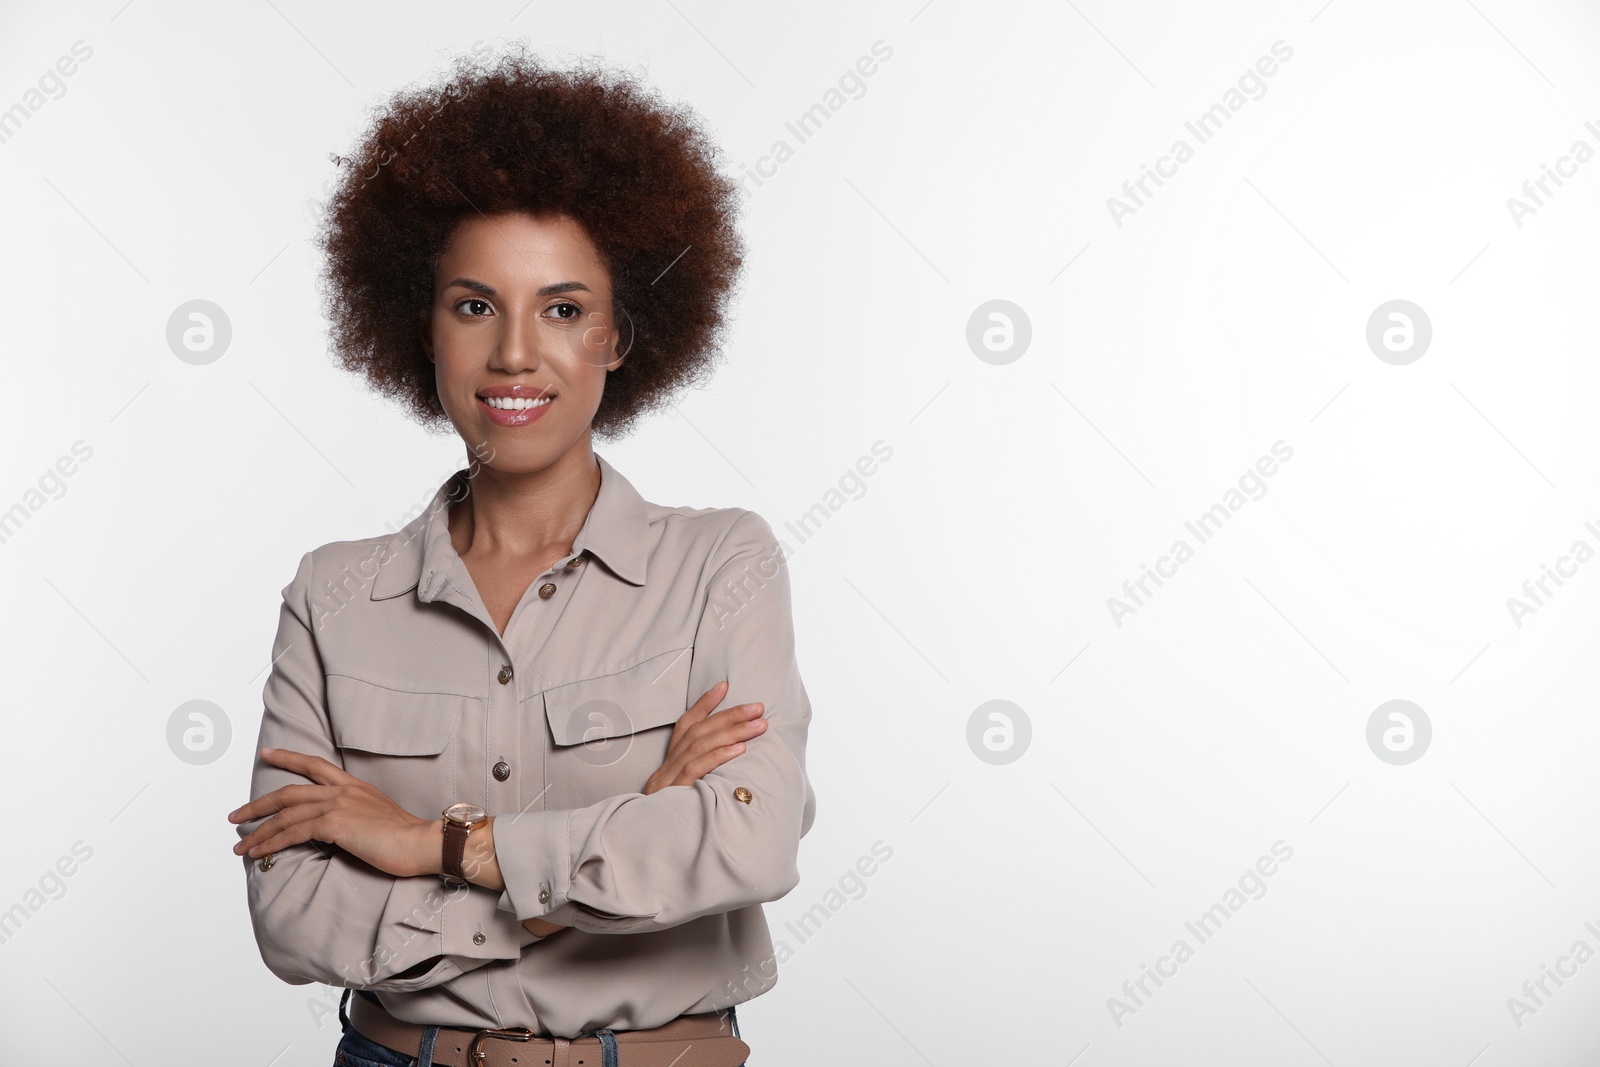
465 814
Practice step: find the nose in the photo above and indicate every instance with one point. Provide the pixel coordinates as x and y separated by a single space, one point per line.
517 349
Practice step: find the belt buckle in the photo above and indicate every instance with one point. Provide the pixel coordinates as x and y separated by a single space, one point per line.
476 1055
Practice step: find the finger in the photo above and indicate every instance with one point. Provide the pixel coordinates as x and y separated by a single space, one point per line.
707 760
695 739
698 711
277 800
306 809
701 766
729 724
726 717
676 769
265 804
288 827
261 834
740 712
314 767
737 729
276 843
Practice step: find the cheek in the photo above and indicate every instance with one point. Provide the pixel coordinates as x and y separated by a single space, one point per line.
448 378
593 339
450 354
458 363
595 343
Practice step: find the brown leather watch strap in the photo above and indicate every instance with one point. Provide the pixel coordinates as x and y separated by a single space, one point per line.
455 850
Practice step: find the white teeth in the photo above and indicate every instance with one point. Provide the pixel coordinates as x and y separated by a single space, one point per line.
512 403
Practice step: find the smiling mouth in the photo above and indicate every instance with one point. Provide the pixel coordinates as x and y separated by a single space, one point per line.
515 411
515 403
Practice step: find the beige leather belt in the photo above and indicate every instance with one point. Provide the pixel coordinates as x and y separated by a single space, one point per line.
703 1040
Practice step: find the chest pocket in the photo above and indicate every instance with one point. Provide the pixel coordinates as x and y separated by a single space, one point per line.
397 740
610 732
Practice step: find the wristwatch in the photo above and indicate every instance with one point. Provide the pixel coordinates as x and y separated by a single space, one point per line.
459 821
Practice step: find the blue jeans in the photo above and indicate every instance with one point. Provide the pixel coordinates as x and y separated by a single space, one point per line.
356 1050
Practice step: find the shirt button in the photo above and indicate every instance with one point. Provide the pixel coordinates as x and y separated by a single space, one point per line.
267 861
742 795
547 590
505 674
544 895
478 938
502 771
574 562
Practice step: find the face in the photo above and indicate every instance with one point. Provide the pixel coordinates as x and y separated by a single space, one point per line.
521 335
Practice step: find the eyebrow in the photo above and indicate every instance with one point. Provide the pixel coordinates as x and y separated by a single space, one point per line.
548 290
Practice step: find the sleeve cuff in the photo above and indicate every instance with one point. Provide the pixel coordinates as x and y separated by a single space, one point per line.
429 918
534 851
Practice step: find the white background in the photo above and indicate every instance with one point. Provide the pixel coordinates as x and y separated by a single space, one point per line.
1167 754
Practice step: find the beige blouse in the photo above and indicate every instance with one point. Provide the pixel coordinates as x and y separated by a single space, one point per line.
387 663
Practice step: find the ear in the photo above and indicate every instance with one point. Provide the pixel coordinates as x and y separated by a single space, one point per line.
425 332
618 357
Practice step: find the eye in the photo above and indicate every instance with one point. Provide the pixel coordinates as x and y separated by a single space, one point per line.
576 310
472 300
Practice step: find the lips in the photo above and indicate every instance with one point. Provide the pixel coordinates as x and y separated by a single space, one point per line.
506 407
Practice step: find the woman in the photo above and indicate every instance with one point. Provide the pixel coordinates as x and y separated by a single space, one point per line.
479 798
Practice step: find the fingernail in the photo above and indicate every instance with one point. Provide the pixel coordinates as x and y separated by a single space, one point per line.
268 751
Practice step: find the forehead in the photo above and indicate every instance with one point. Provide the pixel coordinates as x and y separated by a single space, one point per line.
516 245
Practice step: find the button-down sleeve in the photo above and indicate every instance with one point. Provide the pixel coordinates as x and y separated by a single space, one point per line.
637 863
322 915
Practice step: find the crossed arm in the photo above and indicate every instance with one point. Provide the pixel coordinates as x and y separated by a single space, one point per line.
342 809
351 879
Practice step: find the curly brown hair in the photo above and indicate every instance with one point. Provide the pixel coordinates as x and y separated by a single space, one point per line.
517 135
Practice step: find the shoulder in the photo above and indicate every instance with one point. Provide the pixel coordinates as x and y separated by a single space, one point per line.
341 561
715 535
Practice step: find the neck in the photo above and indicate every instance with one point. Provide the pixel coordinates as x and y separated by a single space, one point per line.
525 512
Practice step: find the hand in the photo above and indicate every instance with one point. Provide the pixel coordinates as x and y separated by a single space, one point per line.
340 809
702 741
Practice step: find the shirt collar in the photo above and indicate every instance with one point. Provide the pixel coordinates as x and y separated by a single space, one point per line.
420 556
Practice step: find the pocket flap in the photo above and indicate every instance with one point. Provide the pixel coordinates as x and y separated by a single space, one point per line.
371 718
648 694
